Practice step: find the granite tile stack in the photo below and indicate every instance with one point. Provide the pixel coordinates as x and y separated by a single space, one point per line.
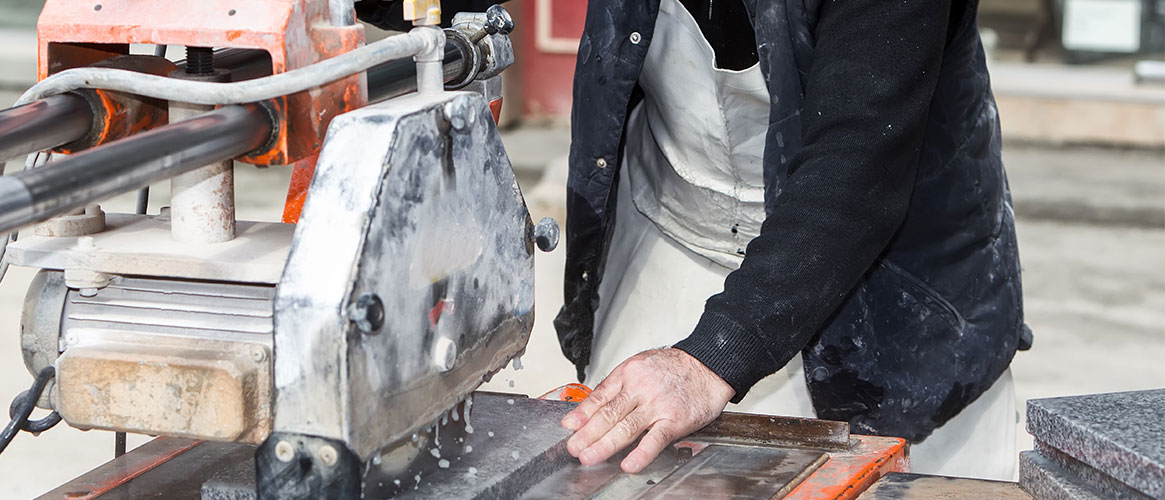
1100 446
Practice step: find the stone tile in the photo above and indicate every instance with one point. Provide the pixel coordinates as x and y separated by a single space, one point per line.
1099 481
897 486
1046 480
1121 434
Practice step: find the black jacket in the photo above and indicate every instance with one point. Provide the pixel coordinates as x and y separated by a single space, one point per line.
888 258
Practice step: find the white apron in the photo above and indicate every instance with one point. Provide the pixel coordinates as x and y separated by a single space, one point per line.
690 200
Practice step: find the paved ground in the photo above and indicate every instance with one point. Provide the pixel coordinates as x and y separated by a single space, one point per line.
1094 288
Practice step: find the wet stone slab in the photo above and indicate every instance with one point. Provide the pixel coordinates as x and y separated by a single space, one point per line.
1122 435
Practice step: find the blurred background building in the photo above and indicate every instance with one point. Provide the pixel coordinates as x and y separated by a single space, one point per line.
1081 93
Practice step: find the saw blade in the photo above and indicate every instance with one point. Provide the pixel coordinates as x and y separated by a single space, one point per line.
404 465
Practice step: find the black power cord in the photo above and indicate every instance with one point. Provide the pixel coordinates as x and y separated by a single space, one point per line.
22 407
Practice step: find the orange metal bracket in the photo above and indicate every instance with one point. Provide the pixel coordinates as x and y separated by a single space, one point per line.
845 475
118 115
570 392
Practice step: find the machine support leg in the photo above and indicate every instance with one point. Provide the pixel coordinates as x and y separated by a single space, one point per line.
202 201
202 204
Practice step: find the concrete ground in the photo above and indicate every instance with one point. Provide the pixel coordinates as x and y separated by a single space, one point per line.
1094 287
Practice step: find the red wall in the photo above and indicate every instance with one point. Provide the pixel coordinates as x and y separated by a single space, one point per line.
549 41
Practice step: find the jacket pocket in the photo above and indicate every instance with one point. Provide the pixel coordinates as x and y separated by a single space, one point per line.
935 303
897 360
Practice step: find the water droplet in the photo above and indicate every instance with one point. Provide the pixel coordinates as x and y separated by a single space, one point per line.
473 471
509 401
515 455
468 448
435 452
444 464
491 434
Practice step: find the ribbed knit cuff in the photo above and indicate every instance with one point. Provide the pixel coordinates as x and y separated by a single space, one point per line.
735 354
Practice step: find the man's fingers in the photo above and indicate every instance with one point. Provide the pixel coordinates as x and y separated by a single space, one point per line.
606 391
603 419
650 446
622 434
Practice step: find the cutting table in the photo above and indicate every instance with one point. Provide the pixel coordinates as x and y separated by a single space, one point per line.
518 450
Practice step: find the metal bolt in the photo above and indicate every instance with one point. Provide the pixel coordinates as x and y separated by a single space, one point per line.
199 60
636 37
367 313
445 353
284 451
327 455
258 354
546 234
461 113
601 162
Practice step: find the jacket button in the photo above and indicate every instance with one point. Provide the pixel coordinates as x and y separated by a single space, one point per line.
819 374
601 162
636 37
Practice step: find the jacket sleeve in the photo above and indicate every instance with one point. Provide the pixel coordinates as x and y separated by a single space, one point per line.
867 97
388 14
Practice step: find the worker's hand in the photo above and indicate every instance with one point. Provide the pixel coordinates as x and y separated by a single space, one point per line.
665 392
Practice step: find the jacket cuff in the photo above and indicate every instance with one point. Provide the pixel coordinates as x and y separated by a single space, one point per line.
731 351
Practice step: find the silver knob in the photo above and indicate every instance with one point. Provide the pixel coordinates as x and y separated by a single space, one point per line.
498 20
546 234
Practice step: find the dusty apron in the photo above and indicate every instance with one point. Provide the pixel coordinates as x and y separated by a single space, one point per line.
691 199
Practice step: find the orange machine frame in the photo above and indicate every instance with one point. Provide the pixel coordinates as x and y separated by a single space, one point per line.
296 33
